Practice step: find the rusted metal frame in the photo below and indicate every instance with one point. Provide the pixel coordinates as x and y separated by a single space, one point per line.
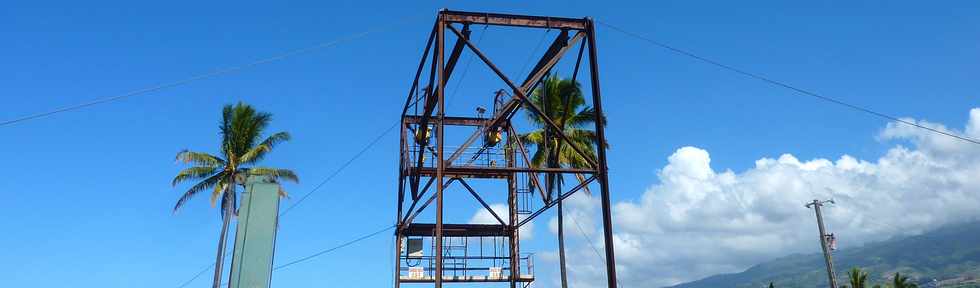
428 202
444 74
450 66
415 201
480 199
447 68
440 142
418 73
603 169
513 20
512 206
401 174
561 41
534 108
560 198
550 177
460 230
478 170
429 106
456 53
510 109
451 120
536 75
405 162
527 159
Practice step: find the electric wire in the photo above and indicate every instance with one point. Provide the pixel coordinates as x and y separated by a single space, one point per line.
334 248
534 52
207 75
300 260
786 85
340 169
588 239
205 269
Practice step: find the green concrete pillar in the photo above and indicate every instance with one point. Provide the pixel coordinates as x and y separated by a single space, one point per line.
255 239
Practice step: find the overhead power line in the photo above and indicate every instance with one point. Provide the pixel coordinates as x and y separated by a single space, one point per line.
785 85
303 259
206 75
588 239
340 169
334 248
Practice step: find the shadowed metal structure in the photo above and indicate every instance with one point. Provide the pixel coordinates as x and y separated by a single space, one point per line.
493 152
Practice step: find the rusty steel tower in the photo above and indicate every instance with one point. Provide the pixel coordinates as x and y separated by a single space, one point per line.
493 153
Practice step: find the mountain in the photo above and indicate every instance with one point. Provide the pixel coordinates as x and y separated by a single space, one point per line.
950 254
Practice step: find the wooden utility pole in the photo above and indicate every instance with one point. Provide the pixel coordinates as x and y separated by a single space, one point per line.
816 204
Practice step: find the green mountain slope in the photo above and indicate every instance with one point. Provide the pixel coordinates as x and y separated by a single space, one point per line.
950 254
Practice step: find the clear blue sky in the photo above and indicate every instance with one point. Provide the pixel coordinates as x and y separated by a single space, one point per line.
86 196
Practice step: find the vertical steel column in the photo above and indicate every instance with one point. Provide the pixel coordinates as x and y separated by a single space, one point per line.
515 268
440 134
603 169
401 200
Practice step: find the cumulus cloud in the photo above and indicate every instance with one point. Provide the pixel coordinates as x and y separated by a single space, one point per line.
696 221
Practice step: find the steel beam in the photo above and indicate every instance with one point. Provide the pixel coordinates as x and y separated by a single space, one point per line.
600 124
560 198
513 20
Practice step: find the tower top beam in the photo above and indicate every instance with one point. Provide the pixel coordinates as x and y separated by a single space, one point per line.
514 20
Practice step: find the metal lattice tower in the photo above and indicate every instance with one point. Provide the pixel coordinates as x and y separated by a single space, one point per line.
426 161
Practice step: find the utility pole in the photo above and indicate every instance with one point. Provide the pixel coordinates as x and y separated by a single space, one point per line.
816 204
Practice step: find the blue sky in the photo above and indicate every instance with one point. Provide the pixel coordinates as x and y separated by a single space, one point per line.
87 198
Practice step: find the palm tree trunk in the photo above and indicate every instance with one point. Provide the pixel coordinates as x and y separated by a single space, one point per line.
561 244
219 262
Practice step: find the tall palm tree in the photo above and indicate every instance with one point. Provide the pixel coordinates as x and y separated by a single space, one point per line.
858 277
241 128
562 101
902 282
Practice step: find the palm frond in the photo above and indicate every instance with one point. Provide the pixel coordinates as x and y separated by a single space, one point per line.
258 152
219 190
278 173
199 158
200 186
193 173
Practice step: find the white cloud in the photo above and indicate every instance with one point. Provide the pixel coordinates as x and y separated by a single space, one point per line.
482 216
697 221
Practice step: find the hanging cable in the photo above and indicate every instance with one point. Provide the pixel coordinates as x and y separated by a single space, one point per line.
533 52
334 248
303 259
211 74
788 86
340 169
588 239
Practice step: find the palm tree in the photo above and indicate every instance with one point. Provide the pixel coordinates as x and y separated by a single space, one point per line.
562 101
241 128
902 282
858 278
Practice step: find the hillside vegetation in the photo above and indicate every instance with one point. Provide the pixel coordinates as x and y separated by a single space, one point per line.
950 255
